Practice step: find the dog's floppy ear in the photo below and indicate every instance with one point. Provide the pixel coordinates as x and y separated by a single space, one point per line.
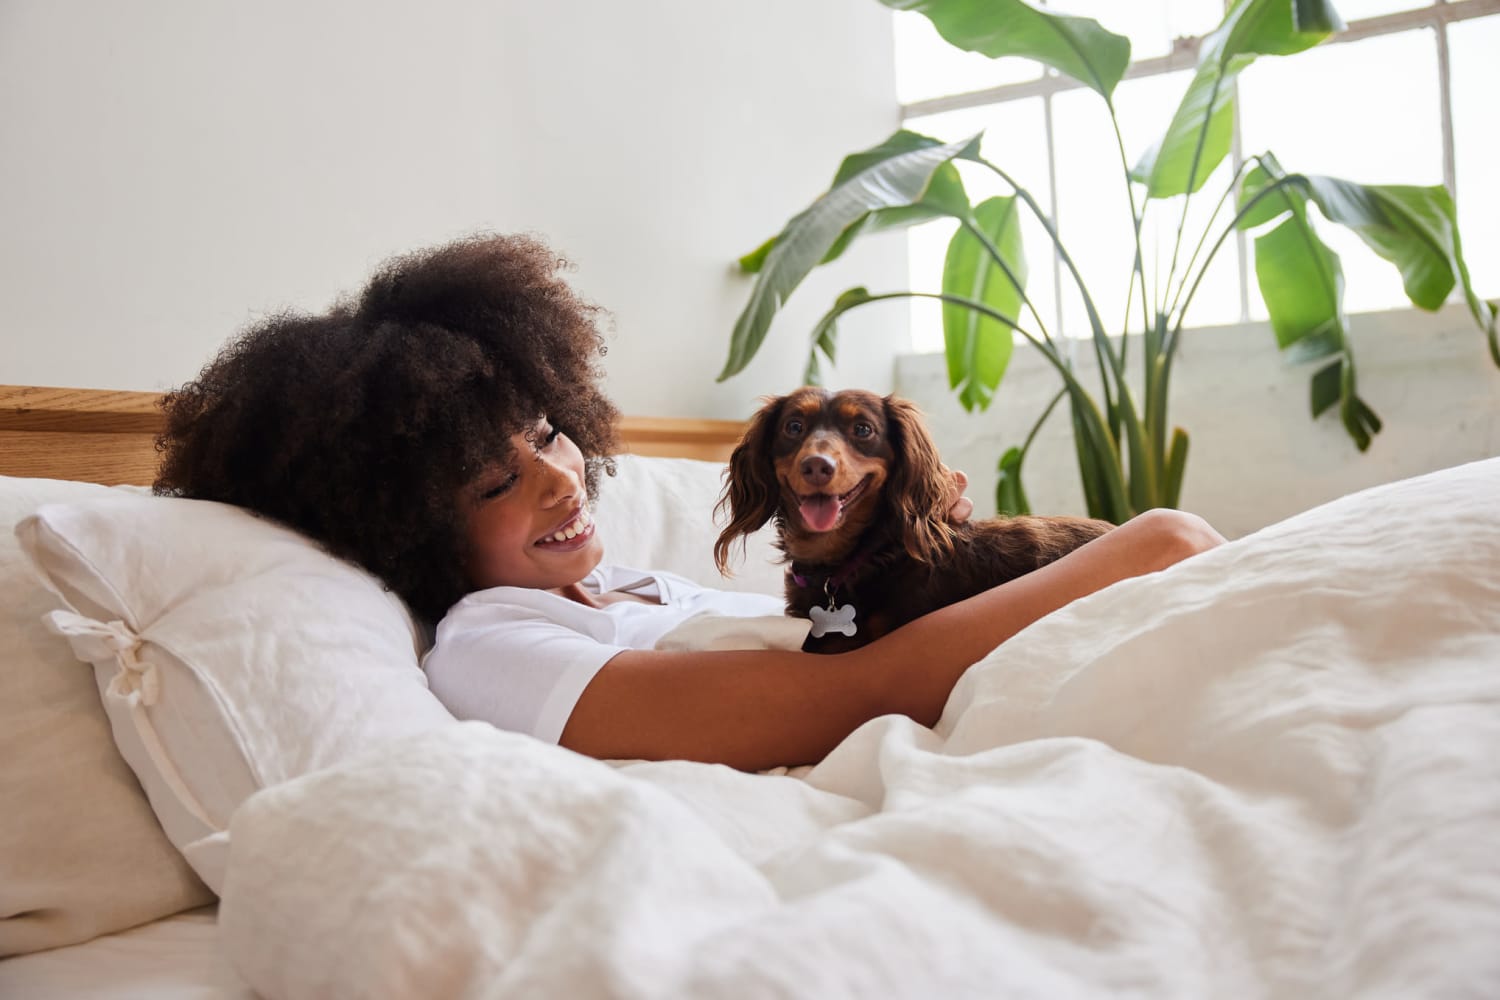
751 494
921 489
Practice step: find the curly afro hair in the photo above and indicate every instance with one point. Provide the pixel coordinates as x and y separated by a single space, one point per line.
360 427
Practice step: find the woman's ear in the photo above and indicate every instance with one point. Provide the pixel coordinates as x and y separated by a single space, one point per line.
750 492
921 489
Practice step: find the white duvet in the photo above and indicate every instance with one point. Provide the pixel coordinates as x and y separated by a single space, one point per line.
1272 771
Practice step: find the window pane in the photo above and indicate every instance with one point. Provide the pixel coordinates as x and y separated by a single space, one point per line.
1015 140
1367 111
1476 82
1094 212
927 66
1150 24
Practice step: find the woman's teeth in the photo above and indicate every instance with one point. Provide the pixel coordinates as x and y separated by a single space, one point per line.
578 527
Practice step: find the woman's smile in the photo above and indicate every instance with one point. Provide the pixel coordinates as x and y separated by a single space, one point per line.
572 534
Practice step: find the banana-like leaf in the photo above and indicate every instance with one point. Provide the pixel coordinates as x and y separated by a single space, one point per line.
1415 228
1412 227
895 182
1300 278
1255 208
1359 420
1334 383
979 348
1302 282
945 196
1198 138
1010 495
1325 387
1074 46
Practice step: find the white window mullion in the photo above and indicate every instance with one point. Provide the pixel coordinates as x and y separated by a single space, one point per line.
1052 209
1445 91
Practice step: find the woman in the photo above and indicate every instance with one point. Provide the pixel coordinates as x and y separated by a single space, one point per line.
446 431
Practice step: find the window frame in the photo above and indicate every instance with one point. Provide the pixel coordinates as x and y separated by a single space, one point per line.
1437 15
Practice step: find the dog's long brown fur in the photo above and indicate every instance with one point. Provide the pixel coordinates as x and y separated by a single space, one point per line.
892 553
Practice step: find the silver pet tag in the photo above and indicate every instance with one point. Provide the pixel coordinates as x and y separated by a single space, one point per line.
831 618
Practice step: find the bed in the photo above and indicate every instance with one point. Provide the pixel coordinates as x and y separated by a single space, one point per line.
1273 770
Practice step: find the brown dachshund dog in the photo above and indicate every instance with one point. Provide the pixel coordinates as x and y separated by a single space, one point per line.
860 500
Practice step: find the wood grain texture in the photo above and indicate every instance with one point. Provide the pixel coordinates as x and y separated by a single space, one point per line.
107 436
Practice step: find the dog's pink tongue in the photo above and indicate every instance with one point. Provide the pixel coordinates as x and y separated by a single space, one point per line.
819 513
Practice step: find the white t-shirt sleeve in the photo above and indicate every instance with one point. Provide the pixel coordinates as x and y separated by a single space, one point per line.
519 671
520 659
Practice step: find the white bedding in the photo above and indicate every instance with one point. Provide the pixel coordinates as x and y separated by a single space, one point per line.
1271 771
177 958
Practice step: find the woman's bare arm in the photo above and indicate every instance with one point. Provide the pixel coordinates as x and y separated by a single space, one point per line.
755 709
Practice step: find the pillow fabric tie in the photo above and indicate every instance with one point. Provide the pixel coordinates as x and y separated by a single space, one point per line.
136 683
95 642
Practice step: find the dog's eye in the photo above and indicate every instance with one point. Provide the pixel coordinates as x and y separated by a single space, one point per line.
863 430
793 427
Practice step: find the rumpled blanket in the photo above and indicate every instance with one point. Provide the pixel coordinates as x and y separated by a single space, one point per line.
1270 771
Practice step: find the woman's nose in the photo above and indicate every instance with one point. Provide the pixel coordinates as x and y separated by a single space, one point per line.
560 481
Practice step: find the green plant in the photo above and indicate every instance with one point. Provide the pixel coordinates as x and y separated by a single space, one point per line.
1127 460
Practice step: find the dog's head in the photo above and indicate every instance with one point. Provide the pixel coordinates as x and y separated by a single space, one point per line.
831 466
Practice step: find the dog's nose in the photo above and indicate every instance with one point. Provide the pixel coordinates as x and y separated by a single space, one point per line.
817 470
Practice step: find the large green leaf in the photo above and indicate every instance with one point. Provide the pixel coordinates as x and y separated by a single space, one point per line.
892 183
1010 494
1302 282
978 347
1335 383
1300 278
1075 46
1415 228
944 196
1198 138
1303 286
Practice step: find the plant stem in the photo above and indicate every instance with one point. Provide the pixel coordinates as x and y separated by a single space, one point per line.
1137 219
1101 443
1228 191
1284 181
1111 368
1101 339
1187 196
1025 447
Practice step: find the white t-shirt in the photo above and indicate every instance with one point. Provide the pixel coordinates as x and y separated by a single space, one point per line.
521 658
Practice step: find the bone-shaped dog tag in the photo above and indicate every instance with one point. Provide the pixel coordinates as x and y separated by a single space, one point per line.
826 620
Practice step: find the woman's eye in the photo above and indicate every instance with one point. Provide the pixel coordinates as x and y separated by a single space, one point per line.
863 430
794 427
550 436
499 489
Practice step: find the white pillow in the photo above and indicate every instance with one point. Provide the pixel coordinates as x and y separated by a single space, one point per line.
658 513
231 653
80 852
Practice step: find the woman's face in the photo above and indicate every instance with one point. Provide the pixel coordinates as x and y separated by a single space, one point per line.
528 522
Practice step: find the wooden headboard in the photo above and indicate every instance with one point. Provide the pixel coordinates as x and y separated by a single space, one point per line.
108 436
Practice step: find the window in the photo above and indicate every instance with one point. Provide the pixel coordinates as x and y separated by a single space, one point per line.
1413 85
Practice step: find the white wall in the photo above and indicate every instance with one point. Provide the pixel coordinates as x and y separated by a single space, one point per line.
1255 456
172 169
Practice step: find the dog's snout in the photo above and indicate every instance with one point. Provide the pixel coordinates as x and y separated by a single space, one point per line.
818 470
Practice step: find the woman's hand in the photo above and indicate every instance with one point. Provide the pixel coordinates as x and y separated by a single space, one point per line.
963 507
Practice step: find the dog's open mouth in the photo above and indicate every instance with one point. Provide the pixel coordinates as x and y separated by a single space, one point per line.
822 511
